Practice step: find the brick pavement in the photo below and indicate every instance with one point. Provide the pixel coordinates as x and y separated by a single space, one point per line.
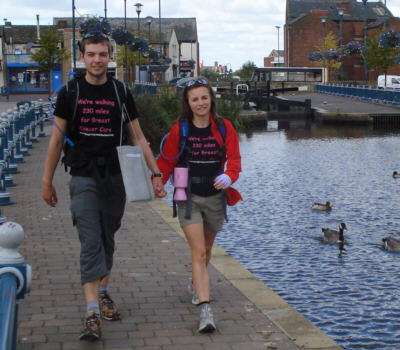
150 275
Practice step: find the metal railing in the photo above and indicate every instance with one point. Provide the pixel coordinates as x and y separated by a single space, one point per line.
19 129
365 94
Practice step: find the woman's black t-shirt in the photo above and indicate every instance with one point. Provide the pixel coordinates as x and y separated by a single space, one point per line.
98 119
204 160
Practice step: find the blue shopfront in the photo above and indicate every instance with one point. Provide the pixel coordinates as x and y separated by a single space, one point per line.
23 75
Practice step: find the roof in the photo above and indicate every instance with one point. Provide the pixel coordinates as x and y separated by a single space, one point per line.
185 28
299 8
21 34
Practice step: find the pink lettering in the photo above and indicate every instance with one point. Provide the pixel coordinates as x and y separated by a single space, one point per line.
102 111
85 120
87 129
100 121
105 130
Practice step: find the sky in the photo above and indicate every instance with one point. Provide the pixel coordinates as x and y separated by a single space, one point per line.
230 32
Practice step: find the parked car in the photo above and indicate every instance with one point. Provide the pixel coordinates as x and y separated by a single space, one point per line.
392 82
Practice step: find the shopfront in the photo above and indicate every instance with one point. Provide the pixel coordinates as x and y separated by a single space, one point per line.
23 75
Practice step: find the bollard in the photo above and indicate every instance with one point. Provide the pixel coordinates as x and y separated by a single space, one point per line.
4 195
4 126
15 282
22 131
41 119
19 157
12 165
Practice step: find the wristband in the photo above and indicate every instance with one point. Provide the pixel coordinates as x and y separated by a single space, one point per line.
157 175
224 179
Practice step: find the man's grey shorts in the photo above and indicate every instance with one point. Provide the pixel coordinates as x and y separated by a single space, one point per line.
208 210
96 218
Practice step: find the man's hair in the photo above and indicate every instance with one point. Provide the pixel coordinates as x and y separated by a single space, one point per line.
87 39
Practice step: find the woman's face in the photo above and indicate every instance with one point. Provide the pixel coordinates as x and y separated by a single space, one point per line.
199 101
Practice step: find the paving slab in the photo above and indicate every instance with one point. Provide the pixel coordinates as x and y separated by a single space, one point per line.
150 275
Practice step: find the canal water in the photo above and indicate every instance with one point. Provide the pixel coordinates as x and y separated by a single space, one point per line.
354 298
274 233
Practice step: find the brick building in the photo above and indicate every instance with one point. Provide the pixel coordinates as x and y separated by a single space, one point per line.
303 31
275 59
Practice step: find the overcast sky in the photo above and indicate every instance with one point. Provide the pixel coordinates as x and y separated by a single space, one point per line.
230 31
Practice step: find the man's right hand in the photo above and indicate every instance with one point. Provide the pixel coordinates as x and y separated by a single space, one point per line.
49 194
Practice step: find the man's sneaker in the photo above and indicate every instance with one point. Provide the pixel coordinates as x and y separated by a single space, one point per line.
206 324
107 308
92 324
192 292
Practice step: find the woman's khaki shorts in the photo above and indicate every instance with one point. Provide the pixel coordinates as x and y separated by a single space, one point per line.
208 210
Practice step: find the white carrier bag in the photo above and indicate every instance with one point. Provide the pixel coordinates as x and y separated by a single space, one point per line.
135 174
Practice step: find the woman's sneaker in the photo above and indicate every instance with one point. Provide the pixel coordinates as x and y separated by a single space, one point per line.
206 324
92 324
107 308
192 292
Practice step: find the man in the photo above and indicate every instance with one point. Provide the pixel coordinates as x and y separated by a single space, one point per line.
96 187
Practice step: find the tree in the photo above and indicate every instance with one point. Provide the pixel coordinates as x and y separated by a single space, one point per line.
383 51
331 54
209 74
246 71
49 53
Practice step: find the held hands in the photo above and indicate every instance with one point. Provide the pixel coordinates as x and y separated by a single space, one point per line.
158 187
49 194
222 182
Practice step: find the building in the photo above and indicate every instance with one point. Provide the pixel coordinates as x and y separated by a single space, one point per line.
19 72
303 31
178 41
275 59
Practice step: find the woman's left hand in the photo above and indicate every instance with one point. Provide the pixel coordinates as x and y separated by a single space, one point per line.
222 182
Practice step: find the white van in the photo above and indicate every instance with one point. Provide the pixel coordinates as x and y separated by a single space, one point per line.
392 82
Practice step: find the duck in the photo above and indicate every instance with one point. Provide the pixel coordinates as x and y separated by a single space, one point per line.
396 175
321 206
333 236
391 244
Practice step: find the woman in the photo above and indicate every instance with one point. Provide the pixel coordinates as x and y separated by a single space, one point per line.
214 163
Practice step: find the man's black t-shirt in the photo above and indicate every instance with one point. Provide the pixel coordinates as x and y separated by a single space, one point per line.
98 119
204 159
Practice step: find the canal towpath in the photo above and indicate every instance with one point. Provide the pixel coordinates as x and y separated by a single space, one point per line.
150 276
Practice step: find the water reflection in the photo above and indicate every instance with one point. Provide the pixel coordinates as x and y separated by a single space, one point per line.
354 298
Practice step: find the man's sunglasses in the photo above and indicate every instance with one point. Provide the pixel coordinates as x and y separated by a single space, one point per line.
199 81
94 35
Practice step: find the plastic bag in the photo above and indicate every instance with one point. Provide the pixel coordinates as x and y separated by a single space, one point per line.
135 174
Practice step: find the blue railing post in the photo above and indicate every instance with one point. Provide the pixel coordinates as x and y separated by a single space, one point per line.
15 282
12 165
41 119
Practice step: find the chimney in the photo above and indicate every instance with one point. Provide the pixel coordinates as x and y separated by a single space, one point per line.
37 27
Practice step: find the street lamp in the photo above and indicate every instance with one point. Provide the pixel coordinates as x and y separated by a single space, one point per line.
159 24
323 21
138 6
277 27
148 21
73 36
341 11
125 49
365 43
385 17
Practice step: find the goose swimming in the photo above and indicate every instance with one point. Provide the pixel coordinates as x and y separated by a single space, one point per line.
333 236
391 244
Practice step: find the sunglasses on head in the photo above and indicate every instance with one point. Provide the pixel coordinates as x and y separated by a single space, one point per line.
94 35
199 81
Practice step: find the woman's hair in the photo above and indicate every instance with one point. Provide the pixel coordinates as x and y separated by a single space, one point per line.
95 39
186 111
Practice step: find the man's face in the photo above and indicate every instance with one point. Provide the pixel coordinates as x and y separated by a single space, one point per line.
96 58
